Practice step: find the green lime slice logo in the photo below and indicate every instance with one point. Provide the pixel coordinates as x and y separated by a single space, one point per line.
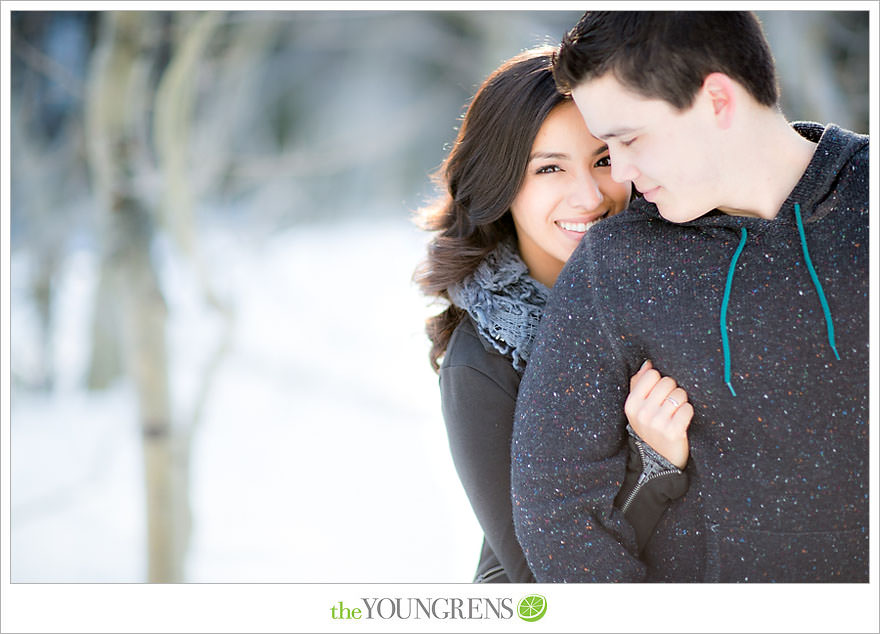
532 607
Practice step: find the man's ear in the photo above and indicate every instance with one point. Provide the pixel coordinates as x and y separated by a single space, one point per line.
719 89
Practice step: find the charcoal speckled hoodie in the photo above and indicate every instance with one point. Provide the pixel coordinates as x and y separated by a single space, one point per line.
749 316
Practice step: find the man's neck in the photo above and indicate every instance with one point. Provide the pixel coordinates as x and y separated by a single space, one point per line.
769 158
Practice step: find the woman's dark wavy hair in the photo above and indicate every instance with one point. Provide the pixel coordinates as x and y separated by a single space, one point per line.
480 178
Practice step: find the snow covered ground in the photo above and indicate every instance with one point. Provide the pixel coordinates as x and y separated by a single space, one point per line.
321 454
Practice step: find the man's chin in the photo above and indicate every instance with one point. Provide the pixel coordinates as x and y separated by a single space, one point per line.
678 215
672 215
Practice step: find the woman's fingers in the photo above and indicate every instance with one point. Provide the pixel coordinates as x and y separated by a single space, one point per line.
660 392
656 401
658 411
675 399
647 365
660 405
645 382
681 420
641 387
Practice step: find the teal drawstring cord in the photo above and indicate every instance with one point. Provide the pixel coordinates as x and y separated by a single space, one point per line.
725 344
825 309
829 322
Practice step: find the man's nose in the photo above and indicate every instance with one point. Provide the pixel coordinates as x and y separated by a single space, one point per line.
622 168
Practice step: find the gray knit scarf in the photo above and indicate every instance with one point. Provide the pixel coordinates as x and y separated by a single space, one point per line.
505 302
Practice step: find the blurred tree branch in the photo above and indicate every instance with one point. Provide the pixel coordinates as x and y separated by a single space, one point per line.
42 63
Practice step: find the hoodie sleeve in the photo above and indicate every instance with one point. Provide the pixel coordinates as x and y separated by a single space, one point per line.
570 450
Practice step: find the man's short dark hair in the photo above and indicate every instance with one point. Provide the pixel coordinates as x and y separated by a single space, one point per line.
668 54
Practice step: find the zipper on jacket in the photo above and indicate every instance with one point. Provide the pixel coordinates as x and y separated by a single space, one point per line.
490 574
643 479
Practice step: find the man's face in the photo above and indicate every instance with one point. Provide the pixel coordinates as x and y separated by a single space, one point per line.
670 156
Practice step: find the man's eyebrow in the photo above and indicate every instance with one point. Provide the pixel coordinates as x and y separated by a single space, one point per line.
600 150
618 132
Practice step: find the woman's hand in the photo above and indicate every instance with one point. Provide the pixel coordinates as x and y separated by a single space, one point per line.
658 411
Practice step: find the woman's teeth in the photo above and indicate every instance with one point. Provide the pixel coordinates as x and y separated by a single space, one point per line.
580 227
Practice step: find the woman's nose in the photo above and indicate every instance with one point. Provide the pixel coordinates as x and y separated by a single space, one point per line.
586 193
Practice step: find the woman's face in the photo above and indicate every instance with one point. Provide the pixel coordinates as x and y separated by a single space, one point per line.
567 188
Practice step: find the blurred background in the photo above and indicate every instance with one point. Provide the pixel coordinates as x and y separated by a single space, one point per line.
218 367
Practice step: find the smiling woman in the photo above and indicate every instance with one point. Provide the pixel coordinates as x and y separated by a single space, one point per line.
567 188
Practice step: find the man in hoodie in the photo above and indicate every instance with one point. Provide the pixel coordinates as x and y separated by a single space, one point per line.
742 274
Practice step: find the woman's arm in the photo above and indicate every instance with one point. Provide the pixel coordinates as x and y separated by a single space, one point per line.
478 395
659 416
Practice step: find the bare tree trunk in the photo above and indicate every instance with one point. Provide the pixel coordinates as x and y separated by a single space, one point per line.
105 362
117 103
174 102
175 99
144 317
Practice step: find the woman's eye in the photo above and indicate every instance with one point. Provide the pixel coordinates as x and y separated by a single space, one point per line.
605 161
548 169
628 142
